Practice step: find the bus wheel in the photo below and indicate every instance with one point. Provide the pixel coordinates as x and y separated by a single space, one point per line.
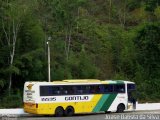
120 108
59 111
69 111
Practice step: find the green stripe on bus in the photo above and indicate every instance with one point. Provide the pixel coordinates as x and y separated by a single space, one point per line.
101 103
108 102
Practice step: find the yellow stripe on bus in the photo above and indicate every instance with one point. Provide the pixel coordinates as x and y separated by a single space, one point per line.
79 107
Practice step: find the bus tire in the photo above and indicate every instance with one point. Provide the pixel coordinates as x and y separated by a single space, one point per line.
120 108
69 111
59 112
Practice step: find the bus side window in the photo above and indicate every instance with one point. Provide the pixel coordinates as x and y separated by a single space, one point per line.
98 89
65 90
78 90
101 88
50 90
46 90
119 88
92 89
85 89
43 91
70 90
131 87
55 90
74 89
59 90
95 89
108 88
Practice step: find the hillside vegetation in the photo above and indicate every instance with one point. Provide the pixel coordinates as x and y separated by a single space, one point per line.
96 39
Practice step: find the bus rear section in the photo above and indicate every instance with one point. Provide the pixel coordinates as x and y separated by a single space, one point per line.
30 95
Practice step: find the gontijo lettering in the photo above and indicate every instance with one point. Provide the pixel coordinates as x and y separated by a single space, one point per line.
76 98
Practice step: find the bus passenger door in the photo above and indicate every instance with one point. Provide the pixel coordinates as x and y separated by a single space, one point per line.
131 96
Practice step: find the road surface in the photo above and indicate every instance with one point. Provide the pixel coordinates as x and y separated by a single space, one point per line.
145 115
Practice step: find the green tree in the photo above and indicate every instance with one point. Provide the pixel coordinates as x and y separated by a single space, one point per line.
148 61
11 22
147 43
157 12
31 50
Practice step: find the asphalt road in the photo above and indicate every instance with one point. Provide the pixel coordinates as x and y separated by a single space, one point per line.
144 115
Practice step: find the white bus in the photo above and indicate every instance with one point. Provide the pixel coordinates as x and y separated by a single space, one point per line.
70 97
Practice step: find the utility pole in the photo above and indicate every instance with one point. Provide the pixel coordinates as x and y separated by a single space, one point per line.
49 67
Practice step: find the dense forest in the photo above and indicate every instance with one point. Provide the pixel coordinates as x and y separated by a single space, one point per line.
98 39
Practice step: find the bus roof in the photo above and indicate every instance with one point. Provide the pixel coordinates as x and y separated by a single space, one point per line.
82 81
